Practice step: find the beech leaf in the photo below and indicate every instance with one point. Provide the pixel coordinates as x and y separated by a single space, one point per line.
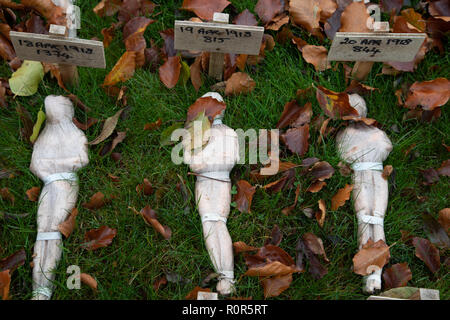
99 238
25 81
108 128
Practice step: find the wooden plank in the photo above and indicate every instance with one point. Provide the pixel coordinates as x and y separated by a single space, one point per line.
353 46
217 59
216 37
45 48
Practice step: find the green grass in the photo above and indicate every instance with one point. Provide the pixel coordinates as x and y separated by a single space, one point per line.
138 255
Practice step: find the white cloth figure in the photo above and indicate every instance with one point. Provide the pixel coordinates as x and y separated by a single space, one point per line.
60 150
216 160
366 147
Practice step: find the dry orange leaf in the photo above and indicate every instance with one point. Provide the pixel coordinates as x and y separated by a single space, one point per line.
153 125
99 238
387 170
335 104
107 7
316 186
66 227
196 73
89 281
52 13
108 35
192 295
210 106
241 246
341 197
371 254
5 281
123 70
274 286
239 83
244 196
33 193
355 18
150 218
320 215
306 14
273 268
146 187
317 56
328 7
444 218
96 202
428 94
169 72
205 9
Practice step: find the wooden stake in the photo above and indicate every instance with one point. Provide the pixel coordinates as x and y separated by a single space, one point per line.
216 59
361 69
69 72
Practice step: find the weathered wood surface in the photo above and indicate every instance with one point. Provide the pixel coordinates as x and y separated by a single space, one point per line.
377 46
217 37
53 49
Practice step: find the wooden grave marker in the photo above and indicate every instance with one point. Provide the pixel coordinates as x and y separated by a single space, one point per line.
61 46
377 46
218 38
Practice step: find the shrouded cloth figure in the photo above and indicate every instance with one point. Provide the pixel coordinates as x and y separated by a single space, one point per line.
213 164
366 147
59 151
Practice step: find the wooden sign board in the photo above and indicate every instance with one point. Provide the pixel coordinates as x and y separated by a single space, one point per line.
353 46
53 49
217 37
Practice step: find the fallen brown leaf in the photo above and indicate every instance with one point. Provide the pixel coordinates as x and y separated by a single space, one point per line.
274 286
192 295
306 14
241 246
205 9
320 215
33 193
210 106
239 83
371 254
428 253
122 70
428 94
296 139
89 281
169 72
66 227
268 9
245 18
397 276
150 218
244 196
99 238
96 202
341 197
